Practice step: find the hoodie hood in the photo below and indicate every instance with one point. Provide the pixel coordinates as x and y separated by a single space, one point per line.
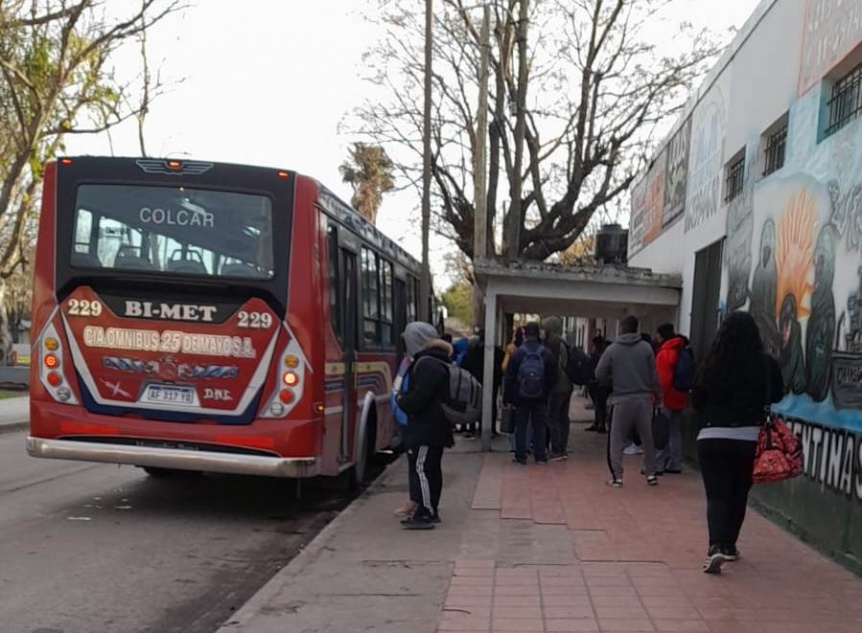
630 339
553 325
418 335
677 342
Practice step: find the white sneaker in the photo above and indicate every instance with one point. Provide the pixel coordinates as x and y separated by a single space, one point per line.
633 449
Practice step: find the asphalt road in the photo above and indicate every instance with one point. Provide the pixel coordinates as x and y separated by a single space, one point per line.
90 548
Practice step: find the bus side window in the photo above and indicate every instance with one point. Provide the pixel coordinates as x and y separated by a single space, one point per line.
334 286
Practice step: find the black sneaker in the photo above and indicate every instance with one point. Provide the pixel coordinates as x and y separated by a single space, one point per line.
731 554
436 518
592 428
714 560
418 523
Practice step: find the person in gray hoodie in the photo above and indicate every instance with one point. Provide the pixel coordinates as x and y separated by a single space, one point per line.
561 394
629 364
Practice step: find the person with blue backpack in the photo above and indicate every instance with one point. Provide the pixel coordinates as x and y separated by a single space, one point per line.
675 365
530 377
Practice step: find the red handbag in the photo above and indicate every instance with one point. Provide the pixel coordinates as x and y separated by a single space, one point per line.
779 453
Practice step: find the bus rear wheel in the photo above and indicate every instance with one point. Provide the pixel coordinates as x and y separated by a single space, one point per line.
358 474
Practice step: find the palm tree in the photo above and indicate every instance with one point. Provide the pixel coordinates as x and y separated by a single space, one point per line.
370 172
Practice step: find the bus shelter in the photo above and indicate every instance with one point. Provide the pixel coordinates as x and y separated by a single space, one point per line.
583 290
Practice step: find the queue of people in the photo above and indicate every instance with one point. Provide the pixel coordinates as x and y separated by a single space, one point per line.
633 382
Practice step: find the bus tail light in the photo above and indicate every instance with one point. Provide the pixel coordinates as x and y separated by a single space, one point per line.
288 390
50 371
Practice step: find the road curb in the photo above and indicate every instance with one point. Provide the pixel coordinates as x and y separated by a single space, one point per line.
310 552
14 427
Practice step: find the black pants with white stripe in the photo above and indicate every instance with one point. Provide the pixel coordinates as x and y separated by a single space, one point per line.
426 478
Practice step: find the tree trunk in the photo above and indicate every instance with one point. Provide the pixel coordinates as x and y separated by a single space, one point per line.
425 281
5 332
515 212
478 308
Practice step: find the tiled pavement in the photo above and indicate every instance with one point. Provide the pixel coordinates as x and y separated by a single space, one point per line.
549 548
552 548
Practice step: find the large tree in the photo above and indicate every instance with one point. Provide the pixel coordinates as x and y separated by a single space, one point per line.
57 77
576 95
371 174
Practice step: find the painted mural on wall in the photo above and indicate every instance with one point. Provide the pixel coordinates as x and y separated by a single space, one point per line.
832 29
645 224
802 280
676 174
738 252
832 457
703 195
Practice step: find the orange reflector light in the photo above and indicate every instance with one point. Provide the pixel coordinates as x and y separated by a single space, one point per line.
174 164
286 396
319 408
283 174
51 344
291 361
290 379
51 361
55 379
66 161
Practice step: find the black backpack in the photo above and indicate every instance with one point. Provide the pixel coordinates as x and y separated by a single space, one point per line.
579 367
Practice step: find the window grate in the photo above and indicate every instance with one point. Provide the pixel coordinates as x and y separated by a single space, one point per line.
846 101
776 147
733 181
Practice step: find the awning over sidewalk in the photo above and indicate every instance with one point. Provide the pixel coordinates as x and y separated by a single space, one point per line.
583 290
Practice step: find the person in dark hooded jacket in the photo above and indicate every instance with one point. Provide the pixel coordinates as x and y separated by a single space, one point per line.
428 431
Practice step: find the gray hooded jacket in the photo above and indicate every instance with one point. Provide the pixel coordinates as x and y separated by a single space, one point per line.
629 366
417 336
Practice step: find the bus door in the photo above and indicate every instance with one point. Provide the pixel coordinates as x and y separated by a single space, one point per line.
350 302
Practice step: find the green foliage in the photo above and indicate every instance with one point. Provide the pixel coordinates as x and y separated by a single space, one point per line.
370 171
458 301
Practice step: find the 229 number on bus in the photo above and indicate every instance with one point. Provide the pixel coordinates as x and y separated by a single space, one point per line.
254 320
84 308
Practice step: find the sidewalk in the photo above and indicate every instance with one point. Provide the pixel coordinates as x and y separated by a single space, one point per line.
549 549
14 414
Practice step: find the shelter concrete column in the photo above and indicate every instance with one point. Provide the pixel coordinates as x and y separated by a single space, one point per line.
488 394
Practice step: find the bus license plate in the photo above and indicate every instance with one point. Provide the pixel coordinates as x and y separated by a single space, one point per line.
169 394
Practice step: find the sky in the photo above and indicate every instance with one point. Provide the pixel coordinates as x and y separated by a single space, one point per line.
268 82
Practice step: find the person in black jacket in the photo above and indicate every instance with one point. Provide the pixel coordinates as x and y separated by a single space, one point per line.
731 392
530 377
428 431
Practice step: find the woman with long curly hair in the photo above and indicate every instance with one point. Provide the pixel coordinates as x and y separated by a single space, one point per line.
735 384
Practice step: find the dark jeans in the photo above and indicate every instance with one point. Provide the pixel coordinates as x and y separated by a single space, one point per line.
558 421
600 400
426 478
525 414
726 467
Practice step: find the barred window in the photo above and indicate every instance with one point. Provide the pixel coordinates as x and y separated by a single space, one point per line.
845 104
776 148
734 177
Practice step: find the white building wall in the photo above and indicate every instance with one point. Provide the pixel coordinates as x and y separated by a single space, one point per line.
792 239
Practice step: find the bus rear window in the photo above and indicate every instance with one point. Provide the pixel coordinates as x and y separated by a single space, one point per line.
173 230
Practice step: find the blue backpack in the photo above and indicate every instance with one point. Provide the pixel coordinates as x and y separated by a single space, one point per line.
531 375
683 372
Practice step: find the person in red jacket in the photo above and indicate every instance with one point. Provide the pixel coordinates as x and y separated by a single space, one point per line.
669 459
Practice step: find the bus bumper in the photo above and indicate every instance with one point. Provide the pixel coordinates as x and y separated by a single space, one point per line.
178 459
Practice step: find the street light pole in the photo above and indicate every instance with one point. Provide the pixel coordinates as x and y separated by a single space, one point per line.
425 280
480 194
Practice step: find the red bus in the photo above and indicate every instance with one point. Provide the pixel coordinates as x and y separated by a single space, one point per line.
211 317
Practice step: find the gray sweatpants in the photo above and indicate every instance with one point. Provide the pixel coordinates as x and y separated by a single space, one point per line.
630 414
